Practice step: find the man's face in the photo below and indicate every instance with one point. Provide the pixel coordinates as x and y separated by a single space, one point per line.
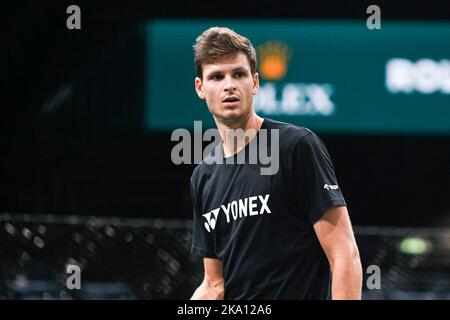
228 88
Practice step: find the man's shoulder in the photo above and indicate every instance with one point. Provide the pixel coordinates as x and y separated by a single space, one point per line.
201 170
289 133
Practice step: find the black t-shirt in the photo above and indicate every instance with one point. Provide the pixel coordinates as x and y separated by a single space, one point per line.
261 226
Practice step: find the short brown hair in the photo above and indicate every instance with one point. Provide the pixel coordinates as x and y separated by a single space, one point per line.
217 44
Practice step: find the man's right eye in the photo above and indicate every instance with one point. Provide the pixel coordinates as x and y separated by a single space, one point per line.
216 77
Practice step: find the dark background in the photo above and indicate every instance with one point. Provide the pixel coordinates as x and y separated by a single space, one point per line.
81 167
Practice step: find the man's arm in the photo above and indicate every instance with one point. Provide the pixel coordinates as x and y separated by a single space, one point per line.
335 234
212 286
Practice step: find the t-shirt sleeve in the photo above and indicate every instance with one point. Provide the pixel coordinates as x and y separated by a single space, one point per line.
202 240
318 184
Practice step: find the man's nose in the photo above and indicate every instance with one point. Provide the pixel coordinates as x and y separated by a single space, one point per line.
229 84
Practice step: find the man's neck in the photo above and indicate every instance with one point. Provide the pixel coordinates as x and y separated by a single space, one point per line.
234 142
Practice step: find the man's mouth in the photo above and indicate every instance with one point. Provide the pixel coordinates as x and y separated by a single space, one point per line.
230 101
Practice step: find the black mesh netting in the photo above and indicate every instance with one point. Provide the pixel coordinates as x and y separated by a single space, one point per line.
123 258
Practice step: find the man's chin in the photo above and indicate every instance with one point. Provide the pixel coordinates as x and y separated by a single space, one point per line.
230 116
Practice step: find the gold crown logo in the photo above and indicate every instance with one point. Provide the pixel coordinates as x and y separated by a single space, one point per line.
273 59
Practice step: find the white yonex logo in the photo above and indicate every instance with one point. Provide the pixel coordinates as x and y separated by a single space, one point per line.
211 221
238 209
330 186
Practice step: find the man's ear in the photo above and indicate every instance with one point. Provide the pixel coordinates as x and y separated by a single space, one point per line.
255 83
199 88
